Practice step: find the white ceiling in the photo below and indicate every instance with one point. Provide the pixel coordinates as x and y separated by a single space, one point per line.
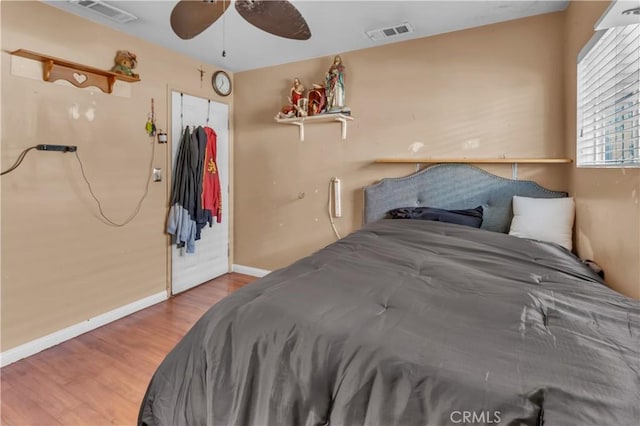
614 16
336 27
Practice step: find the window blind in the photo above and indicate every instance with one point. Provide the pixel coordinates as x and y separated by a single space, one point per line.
609 99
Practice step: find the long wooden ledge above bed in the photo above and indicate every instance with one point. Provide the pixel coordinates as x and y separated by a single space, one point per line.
513 161
476 160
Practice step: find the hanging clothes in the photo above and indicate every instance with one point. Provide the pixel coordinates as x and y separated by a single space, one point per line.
179 224
186 217
211 190
199 146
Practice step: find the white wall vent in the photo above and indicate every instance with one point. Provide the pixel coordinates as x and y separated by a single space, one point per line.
383 33
105 10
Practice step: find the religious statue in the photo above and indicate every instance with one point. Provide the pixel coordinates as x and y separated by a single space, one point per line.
297 91
297 102
317 99
334 86
326 97
297 98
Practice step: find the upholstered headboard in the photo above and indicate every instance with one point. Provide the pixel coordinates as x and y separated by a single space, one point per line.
453 186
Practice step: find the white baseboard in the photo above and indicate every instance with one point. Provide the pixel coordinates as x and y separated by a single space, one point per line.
248 270
33 347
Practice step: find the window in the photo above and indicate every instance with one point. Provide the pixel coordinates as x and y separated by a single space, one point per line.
609 99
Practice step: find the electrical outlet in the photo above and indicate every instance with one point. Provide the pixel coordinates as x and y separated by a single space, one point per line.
157 174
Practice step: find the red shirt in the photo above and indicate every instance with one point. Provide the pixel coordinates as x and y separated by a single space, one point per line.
211 193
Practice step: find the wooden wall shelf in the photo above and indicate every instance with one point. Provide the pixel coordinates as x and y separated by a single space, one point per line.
320 118
79 75
513 161
476 160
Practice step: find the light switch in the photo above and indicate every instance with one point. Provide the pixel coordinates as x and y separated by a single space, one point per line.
157 174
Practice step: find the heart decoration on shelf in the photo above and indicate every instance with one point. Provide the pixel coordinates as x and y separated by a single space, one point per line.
80 78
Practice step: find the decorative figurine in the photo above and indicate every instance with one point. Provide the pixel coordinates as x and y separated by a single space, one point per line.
328 97
125 62
297 102
297 98
297 91
334 86
317 100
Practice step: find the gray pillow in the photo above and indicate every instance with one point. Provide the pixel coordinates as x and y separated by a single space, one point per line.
468 217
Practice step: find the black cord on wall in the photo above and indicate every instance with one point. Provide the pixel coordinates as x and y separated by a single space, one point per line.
18 161
106 220
69 148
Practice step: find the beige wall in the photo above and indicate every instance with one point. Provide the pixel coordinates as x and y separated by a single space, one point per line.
503 89
60 264
607 200
484 92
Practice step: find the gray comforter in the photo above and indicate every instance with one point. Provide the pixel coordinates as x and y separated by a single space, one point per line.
411 323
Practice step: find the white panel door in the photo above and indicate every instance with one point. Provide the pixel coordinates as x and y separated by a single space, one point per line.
211 258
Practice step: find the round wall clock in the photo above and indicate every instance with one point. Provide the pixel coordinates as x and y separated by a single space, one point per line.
221 83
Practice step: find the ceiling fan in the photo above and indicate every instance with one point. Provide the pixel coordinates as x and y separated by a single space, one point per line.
278 17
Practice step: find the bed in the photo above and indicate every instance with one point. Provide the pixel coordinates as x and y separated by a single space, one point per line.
412 322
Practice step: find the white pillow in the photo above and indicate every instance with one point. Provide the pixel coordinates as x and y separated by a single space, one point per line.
544 219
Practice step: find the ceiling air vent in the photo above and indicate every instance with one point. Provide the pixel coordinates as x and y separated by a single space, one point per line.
383 33
105 10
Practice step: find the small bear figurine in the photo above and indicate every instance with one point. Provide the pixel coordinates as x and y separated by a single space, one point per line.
125 62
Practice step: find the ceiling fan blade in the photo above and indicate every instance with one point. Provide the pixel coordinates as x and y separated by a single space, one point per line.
191 17
277 17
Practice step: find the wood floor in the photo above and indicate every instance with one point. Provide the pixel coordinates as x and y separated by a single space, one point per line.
99 378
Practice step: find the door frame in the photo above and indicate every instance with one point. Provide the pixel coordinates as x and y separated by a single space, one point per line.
169 177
